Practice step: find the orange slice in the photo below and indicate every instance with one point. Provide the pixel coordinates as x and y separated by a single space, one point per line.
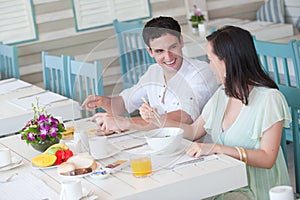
44 160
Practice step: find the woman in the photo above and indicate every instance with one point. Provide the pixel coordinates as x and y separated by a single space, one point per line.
244 117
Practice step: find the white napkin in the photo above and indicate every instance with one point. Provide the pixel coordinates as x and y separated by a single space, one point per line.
27 187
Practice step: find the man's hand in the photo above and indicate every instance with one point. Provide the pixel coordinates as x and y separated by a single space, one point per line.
110 123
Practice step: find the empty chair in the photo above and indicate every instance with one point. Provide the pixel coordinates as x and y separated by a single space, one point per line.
292 96
9 62
134 58
55 73
85 79
279 61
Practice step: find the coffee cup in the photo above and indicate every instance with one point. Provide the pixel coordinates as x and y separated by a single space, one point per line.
98 147
71 189
281 192
5 157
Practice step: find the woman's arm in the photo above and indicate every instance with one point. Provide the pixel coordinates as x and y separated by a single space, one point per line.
264 157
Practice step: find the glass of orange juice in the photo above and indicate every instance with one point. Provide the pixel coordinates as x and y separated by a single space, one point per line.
141 165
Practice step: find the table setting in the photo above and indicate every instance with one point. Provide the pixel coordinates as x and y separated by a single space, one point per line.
122 165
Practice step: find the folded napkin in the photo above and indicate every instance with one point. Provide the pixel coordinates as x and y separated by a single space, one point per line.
27 187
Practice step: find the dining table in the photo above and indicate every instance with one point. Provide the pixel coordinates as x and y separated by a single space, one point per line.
174 175
195 43
17 97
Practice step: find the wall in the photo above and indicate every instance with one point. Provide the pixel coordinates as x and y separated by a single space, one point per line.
57 35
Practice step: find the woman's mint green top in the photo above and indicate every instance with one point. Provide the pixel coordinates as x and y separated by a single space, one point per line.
266 107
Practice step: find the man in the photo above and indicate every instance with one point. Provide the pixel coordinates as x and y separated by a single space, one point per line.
177 87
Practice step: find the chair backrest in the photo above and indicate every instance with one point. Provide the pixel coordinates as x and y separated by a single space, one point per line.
9 67
85 79
55 73
279 61
292 95
134 58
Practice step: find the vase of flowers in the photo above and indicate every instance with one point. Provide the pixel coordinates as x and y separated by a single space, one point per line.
196 18
43 130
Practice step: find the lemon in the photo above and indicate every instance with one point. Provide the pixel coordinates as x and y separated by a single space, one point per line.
44 160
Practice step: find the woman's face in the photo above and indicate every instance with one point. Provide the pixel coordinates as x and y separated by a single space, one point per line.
217 66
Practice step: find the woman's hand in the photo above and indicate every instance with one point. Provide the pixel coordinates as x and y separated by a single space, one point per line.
200 149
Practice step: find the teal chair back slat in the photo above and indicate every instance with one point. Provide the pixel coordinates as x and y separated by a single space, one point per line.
280 61
9 67
55 73
292 96
134 58
85 79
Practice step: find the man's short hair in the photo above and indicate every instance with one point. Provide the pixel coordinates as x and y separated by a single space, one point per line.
159 26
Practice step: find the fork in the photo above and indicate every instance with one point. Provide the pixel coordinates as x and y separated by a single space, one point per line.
156 115
89 194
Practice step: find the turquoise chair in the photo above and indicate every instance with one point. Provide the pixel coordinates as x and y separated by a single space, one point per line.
134 58
85 79
9 67
274 58
292 95
55 73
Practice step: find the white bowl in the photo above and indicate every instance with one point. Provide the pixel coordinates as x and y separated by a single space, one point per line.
164 140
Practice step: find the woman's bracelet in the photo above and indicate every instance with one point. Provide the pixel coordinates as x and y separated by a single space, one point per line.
244 155
239 151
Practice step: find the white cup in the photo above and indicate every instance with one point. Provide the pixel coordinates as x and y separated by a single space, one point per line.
5 157
83 138
98 146
281 192
71 190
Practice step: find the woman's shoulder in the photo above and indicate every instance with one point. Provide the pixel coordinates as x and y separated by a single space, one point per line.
267 93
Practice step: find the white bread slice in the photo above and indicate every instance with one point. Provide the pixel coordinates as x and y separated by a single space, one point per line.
82 162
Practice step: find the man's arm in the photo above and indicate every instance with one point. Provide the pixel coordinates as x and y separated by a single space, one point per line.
113 105
110 122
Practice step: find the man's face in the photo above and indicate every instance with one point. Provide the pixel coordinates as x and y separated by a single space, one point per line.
167 51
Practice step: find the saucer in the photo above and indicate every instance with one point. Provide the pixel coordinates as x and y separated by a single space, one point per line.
16 162
112 151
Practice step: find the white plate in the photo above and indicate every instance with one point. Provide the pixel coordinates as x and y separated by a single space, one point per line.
112 151
146 150
36 167
16 162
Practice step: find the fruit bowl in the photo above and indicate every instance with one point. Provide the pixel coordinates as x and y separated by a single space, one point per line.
164 140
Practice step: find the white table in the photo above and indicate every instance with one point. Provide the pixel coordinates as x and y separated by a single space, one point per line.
14 117
195 46
195 181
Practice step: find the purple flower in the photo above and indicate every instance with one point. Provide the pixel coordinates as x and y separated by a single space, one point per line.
198 13
30 136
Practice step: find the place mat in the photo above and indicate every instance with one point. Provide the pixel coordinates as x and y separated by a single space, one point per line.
12 85
27 187
45 98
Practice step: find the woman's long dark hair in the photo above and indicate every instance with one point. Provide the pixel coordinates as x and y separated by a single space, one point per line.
235 46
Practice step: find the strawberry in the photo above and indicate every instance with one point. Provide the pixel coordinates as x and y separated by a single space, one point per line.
68 154
63 156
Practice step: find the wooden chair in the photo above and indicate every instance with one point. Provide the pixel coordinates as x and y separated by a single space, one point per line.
292 95
55 73
85 79
9 67
280 61
134 58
